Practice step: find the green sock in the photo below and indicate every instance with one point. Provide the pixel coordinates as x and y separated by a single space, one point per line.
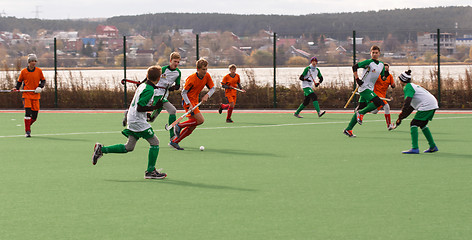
429 137
118 148
317 106
172 118
371 106
414 137
152 158
300 108
352 123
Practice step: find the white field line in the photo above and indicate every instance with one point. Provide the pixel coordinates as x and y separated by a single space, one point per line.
232 127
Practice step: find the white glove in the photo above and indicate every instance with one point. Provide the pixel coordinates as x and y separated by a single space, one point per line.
38 90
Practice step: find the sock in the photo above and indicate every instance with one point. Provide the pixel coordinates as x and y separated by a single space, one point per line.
371 106
414 137
317 106
27 124
32 121
172 118
429 137
152 158
230 111
118 148
352 123
388 119
189 123
225 106
300 108
183 135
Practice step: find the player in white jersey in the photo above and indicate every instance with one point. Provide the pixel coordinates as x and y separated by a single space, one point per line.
417 98
373 68
308 78
145 99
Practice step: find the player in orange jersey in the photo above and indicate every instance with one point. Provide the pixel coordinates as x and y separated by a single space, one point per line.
229 83
380 88
31 78
190 94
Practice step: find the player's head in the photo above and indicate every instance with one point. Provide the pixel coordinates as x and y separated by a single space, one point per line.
202 67
32 59
375 52
405 77
314 60
174 60
154 73
232 68
387 66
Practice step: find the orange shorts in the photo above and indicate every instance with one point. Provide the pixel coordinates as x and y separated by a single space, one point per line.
31 103
195 111
231 98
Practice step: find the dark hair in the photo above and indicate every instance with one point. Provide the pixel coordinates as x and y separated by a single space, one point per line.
154 73
375 47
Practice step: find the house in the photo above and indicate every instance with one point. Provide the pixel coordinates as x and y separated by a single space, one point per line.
429 42
109 31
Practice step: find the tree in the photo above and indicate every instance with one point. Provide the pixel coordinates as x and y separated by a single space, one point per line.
262 58
297 61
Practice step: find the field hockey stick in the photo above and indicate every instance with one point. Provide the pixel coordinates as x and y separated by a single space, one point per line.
237 89
9 90
124 81
354 93
316 83
381 98
168 127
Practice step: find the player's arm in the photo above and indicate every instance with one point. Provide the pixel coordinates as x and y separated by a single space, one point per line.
305 72
320 77
392 83
239 86
407 109
356 76
384 74
177 84
144 98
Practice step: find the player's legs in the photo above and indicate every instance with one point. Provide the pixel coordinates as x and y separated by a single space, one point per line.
353 122
153 153
172 116
388 118
302 106
232 103
28 116
188 126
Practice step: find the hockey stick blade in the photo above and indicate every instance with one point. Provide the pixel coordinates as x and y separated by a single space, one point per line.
168 127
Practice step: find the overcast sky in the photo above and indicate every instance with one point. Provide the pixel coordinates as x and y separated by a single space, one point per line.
65 9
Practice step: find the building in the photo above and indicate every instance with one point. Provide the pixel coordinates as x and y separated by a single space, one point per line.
429 42
465 41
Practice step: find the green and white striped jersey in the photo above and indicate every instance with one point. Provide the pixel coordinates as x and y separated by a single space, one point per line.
145 95
310 73
168 78
422 100
372 71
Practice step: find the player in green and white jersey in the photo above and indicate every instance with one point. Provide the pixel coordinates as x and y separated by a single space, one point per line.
373 68
308 78
170 81
145 99
417 98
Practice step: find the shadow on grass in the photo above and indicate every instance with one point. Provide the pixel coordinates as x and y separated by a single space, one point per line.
185 184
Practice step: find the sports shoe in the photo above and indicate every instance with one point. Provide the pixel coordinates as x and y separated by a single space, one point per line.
360 117
97 153
229 120
411 151
220 110
321 114
391 127
177 130
296 115
431 150
348 133
28 134
154 174
175 145
125 119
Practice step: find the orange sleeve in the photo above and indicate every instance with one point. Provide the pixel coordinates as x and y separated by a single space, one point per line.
209 82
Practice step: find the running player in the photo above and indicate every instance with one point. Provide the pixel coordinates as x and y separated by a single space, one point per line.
145 99
230 81
417 98
373 68
193 86
308 78
380 88
31 78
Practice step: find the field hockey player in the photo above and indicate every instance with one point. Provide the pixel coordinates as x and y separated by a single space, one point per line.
308 79
231 83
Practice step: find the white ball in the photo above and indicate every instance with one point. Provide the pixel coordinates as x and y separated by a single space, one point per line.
202 148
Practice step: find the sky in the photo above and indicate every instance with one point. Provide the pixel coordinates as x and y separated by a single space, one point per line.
64 9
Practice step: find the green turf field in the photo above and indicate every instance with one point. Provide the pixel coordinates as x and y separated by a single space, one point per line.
267 176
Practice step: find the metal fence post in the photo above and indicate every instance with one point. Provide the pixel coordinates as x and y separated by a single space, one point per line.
275 70
55 73
197 53
124 72
439 67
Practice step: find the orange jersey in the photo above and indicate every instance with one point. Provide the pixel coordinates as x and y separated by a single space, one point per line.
381 86
232 82
31 80
195 85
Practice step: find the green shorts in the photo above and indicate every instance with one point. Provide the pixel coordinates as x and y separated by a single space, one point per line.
425 115
367 95
307 91
146 134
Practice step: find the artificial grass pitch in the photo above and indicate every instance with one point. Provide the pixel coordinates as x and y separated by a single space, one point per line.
266 176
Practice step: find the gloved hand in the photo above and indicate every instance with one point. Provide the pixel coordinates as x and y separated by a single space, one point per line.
359 82
317 84
398 122
38 90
